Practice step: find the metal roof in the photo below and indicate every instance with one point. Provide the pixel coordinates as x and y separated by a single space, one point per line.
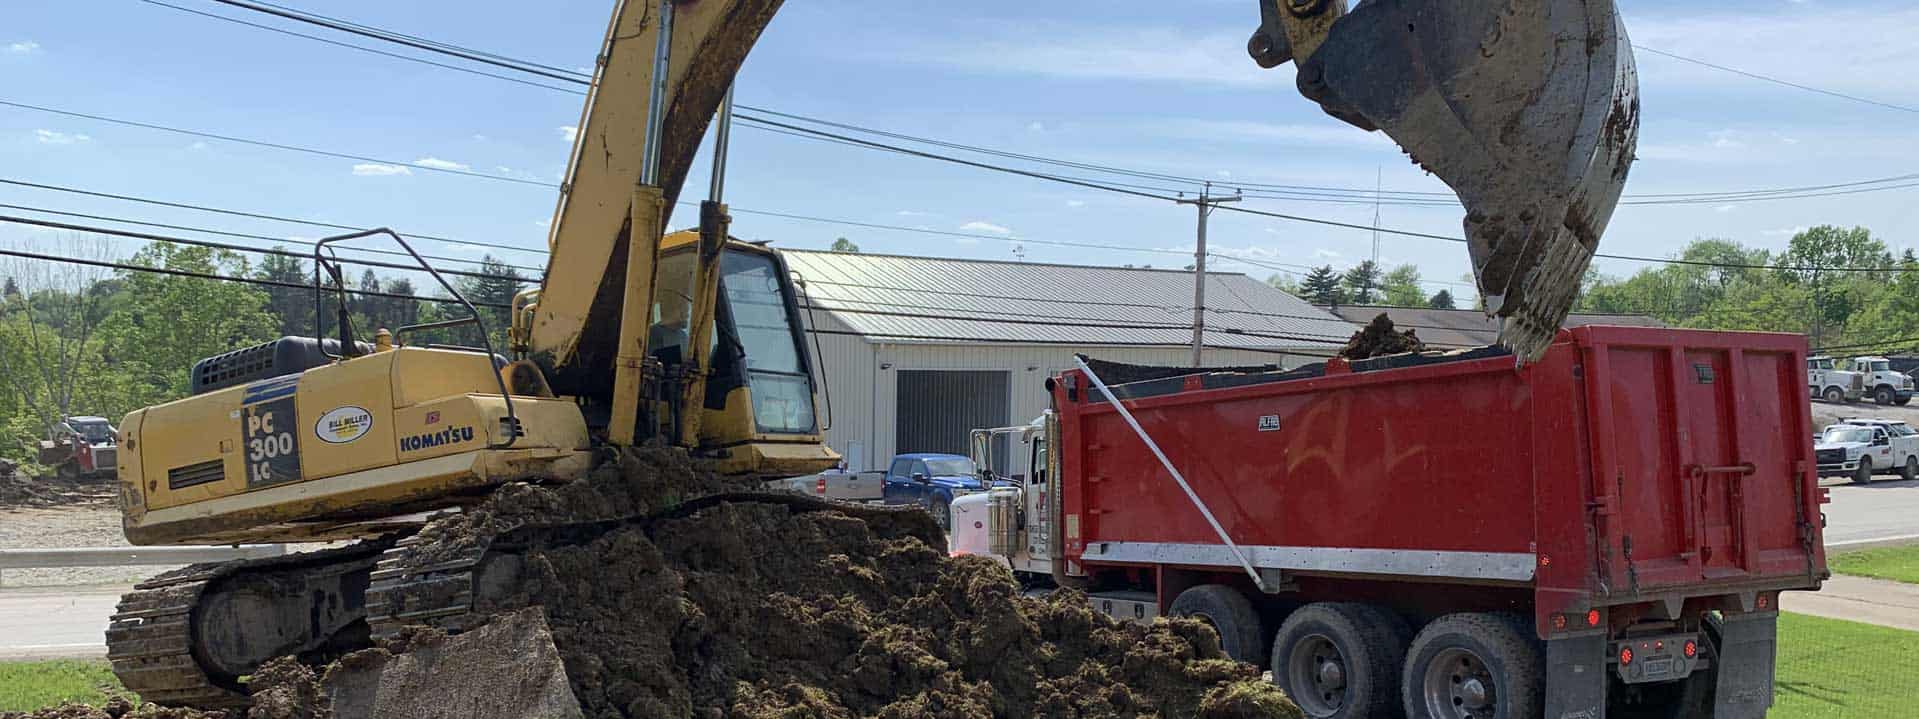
899 299
1468 328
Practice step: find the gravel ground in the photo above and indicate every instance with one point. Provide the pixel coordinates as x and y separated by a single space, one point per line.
86 525
89 525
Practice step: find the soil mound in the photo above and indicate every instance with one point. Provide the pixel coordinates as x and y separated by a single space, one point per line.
764 609
113 709
1380 338
19 489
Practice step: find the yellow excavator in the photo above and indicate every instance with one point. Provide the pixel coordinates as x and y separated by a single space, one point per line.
691 339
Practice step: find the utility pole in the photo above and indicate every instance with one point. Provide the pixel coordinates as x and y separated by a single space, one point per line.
1205 204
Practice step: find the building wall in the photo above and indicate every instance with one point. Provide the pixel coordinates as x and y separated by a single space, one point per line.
860 378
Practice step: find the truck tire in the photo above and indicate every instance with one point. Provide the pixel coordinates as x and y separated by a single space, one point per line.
1911 470
1341 660
1863 475
942 511
1478 665
1882 395
1834 395
1230 614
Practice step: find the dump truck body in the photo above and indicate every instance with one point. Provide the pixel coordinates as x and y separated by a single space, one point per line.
1634 485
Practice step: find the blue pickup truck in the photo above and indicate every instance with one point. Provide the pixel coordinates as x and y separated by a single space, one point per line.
932 481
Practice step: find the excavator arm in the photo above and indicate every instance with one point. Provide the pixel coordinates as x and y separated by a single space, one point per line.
1527 108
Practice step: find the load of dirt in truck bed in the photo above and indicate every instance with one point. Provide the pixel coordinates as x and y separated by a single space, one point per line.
1381 338
763 609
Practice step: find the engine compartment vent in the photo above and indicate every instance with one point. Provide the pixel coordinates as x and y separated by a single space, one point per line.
196 474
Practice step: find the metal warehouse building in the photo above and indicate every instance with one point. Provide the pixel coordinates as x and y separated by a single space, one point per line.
915 352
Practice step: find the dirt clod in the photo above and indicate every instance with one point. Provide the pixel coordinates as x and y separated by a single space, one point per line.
1380 338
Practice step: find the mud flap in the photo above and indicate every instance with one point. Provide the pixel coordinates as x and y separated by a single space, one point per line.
1747 645
507 668
1576 677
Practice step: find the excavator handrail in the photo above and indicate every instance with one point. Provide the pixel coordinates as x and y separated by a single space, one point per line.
512 424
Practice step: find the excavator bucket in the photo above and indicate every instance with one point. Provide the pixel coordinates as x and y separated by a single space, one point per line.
1528 109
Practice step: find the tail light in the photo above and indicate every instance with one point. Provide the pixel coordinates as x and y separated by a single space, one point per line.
1625 655
1692 649
1592 618
819 486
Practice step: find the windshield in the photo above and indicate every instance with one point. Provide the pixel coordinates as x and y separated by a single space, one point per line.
95 432
782 389
1881 366
1835 435
954 467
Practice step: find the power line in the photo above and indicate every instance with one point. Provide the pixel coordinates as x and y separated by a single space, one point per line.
1286 192
209 244
272 145
257 216
1777 81
248 248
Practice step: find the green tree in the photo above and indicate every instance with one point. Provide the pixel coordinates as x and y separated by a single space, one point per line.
291 307
161 325
1835 296
1284 283
497 286
1400 287
845 245
1362 283
1442 300
1321 287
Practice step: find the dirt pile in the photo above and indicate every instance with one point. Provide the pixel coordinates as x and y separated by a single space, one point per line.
113 709
770 609
19 489
1381 338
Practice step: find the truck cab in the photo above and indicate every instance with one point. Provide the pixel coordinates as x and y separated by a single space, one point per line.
1833 383
1860 448
1882 383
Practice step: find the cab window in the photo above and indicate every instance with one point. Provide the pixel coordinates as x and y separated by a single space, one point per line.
902 468
1038 471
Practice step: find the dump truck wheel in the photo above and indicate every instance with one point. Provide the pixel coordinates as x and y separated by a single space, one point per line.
1230 614
1340 660
1863 475
1473 665
1834 395
1882 396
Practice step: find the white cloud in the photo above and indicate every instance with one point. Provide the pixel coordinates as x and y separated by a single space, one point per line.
55 137
23 47
1722 209
980 226
375 169
568 131
197 145
1784 231
1075 203
439 164
913 213
1872 42
968 241
1036 126
1326 254
544 222
479 137
503 169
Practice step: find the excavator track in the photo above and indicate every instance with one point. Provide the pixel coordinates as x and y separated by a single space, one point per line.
445 592
155 648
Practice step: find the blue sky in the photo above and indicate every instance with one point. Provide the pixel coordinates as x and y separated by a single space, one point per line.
1126 84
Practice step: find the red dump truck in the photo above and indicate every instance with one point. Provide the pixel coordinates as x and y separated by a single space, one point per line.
1602 533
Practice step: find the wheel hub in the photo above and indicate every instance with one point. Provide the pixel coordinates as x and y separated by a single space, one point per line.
1316 674
1458 684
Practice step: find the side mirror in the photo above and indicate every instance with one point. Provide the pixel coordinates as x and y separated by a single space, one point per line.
1881 442
919 477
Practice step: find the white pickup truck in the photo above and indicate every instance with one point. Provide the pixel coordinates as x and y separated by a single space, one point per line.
1860 448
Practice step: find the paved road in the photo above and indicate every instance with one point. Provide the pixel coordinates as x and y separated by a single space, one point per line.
1883 511
1859 599
55 622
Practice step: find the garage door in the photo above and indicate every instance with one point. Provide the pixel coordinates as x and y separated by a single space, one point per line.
939 409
